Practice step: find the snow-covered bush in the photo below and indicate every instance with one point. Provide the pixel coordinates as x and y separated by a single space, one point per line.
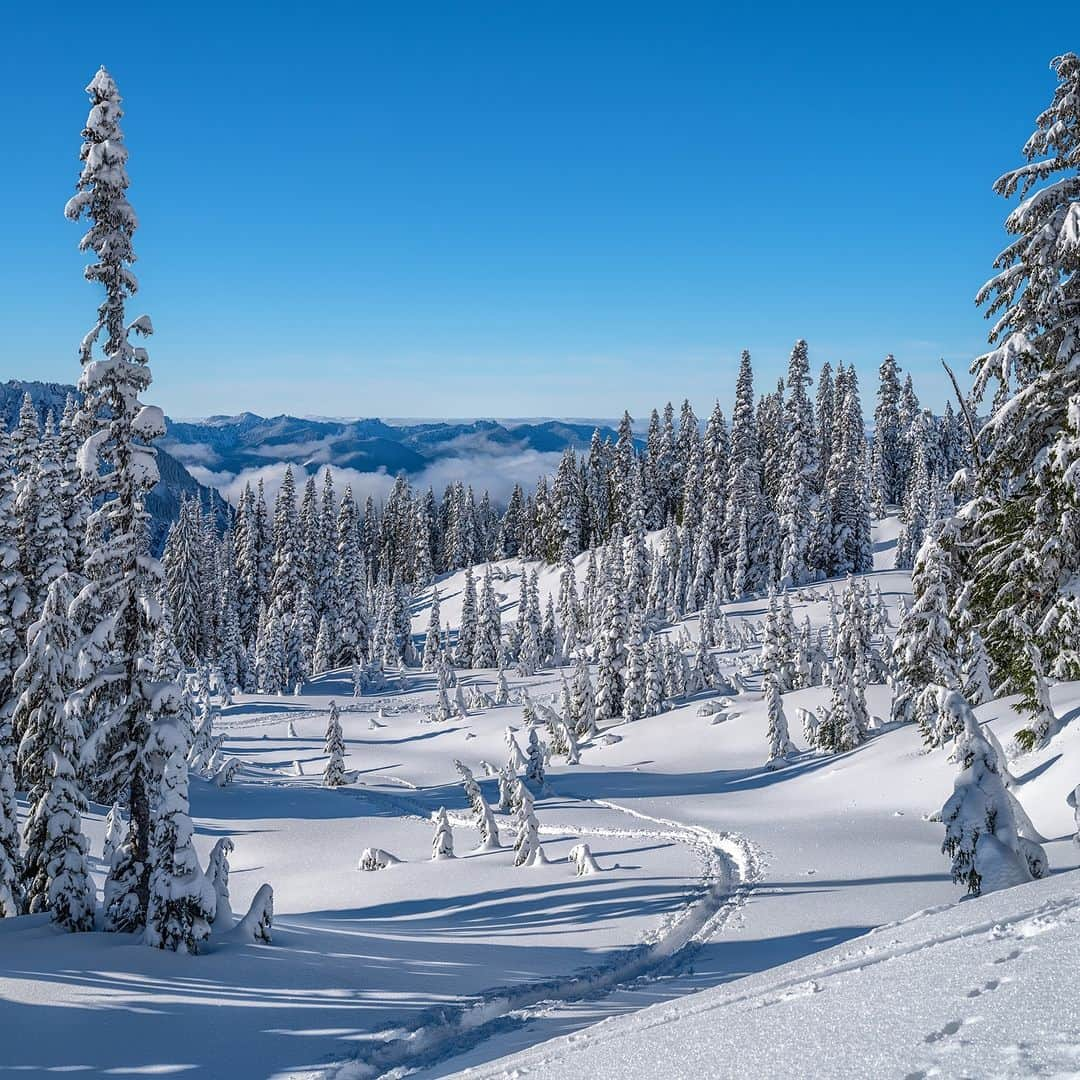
981 835
583 861
374 858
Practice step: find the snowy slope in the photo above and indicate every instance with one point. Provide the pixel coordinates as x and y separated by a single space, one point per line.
714 870
983 988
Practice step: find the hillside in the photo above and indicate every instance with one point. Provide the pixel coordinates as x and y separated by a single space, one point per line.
715 874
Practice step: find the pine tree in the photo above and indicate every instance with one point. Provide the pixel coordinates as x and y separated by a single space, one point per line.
1021 525
14 599
797 502
527 842
116 699
334 774
467 631
780 744
534 768
583 703
654 678
433 640
981 834
633 699
55 849
182 902
887 459
745 506
114 833
11 890
487 646
847 715
611 660
485 820
925 650
442 844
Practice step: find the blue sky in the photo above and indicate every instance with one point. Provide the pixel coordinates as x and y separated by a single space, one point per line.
520 209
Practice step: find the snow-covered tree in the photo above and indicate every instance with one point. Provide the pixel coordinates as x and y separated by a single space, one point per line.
217 875
182 902
485 819
924 651
487 646
534 767
797 502
57 876
334 773
633 699
116 700
467 631
527 841
981 834
433 640
442 843
1021 527
780 744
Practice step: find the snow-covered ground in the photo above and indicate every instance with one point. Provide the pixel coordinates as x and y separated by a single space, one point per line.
715 873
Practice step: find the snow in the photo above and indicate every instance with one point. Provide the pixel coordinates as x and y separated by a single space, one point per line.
984 988
720 884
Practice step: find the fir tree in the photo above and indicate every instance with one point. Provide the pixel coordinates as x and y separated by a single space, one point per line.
182 902
116 699
334 748
442 844
780 744
980 830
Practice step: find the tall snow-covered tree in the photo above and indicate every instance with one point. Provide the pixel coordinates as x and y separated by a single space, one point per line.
797 501
334 748
116 699
182 901
1021 528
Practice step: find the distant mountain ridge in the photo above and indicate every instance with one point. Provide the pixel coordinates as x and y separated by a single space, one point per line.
176 482
231 444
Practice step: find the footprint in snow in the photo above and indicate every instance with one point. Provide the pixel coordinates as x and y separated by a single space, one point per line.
986 988
1007 957
951 1028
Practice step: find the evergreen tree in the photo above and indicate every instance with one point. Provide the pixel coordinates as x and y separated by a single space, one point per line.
116 699
442 844
527 842
797 500
54 858
487 647
633 698
780 744
467 631
981 834
1021 527
182 902
433 641
534 767
485 820
334 748
745 506
924 651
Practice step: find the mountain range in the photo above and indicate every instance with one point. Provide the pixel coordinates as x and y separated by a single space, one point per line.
175 484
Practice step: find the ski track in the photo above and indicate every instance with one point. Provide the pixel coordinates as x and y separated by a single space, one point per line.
1018 927
731 865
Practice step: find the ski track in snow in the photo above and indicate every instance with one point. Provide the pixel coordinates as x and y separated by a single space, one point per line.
1017 928
731 865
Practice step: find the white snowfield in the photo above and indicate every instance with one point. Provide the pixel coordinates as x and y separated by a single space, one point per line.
984 988
734 899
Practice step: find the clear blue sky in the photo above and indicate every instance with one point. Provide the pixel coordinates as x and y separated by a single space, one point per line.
520 209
